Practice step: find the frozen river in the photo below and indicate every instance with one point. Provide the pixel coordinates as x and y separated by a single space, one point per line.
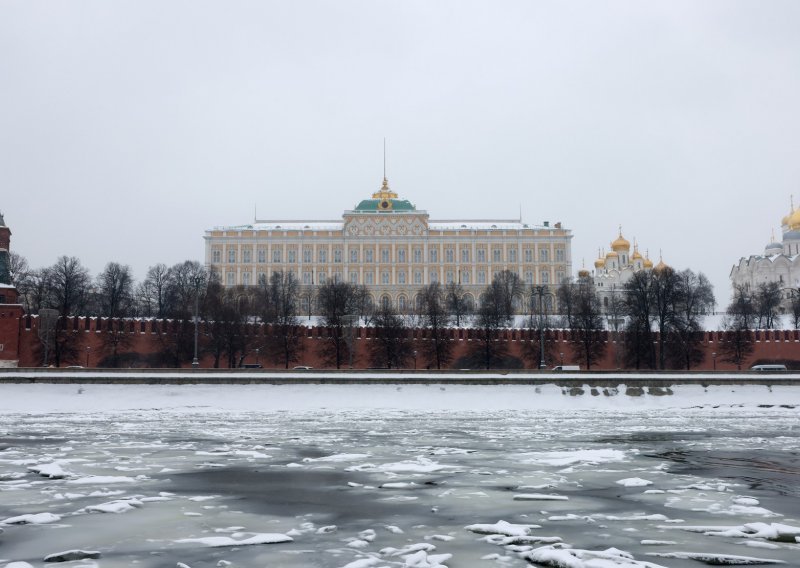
418 476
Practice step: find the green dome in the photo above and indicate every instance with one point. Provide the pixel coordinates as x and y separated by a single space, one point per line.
374 205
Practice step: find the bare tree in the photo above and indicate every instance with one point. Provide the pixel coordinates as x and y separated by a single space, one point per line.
695 298
665 295
767 304
737 343
69 285
363 304
114 289
795 308
507 289
491 318
391 347
20 274
307 297
743 306
565 294
457 302
39 291
587 331
337 305
284 343
226 320
437 347
187 291
153 293
639 340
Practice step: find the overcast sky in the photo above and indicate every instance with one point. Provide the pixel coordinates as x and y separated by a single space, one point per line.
129 128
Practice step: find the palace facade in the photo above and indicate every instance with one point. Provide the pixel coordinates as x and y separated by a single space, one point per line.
392 248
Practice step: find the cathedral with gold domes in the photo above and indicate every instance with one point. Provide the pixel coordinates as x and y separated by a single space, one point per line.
780 262
613 269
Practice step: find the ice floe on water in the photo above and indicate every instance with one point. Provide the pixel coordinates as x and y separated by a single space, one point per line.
634 482
494 485
717 559
238 539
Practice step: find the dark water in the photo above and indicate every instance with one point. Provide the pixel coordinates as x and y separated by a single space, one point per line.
274 473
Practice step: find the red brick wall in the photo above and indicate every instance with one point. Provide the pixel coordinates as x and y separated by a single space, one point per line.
775 345
10 316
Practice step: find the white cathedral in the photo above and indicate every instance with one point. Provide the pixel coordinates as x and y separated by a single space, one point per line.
779 263
613 269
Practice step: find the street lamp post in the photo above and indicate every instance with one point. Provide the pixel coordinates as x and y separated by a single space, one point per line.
195 360
714 358
87 355
541 291
415 359
562 358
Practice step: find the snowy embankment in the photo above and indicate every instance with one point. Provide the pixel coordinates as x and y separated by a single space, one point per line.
388 376
44 398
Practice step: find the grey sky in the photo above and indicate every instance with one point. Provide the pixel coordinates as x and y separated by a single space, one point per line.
128 128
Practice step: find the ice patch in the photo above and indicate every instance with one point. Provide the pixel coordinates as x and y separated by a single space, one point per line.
221 541
420 465
118 506
557 557
575 457
337 458
69 555
539 497
634 482
34 519
774 531
502 527
105 479
716 559
51 470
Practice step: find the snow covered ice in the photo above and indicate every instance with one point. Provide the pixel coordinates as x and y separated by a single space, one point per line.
362 476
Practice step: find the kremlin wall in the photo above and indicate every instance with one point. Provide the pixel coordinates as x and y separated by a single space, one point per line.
22 347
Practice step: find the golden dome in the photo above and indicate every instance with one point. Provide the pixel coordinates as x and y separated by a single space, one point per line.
785 220
600 263
583 273
612 254
636 254
794 219
647 262
621 244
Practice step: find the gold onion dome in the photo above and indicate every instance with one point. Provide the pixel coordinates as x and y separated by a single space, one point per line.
648 263
612 254
583 273
621 244
786 220
636 254
600 263
794 219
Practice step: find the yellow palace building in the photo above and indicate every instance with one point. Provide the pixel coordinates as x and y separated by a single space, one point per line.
392 248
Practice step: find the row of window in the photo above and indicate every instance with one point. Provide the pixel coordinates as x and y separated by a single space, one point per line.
451 277
385 255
